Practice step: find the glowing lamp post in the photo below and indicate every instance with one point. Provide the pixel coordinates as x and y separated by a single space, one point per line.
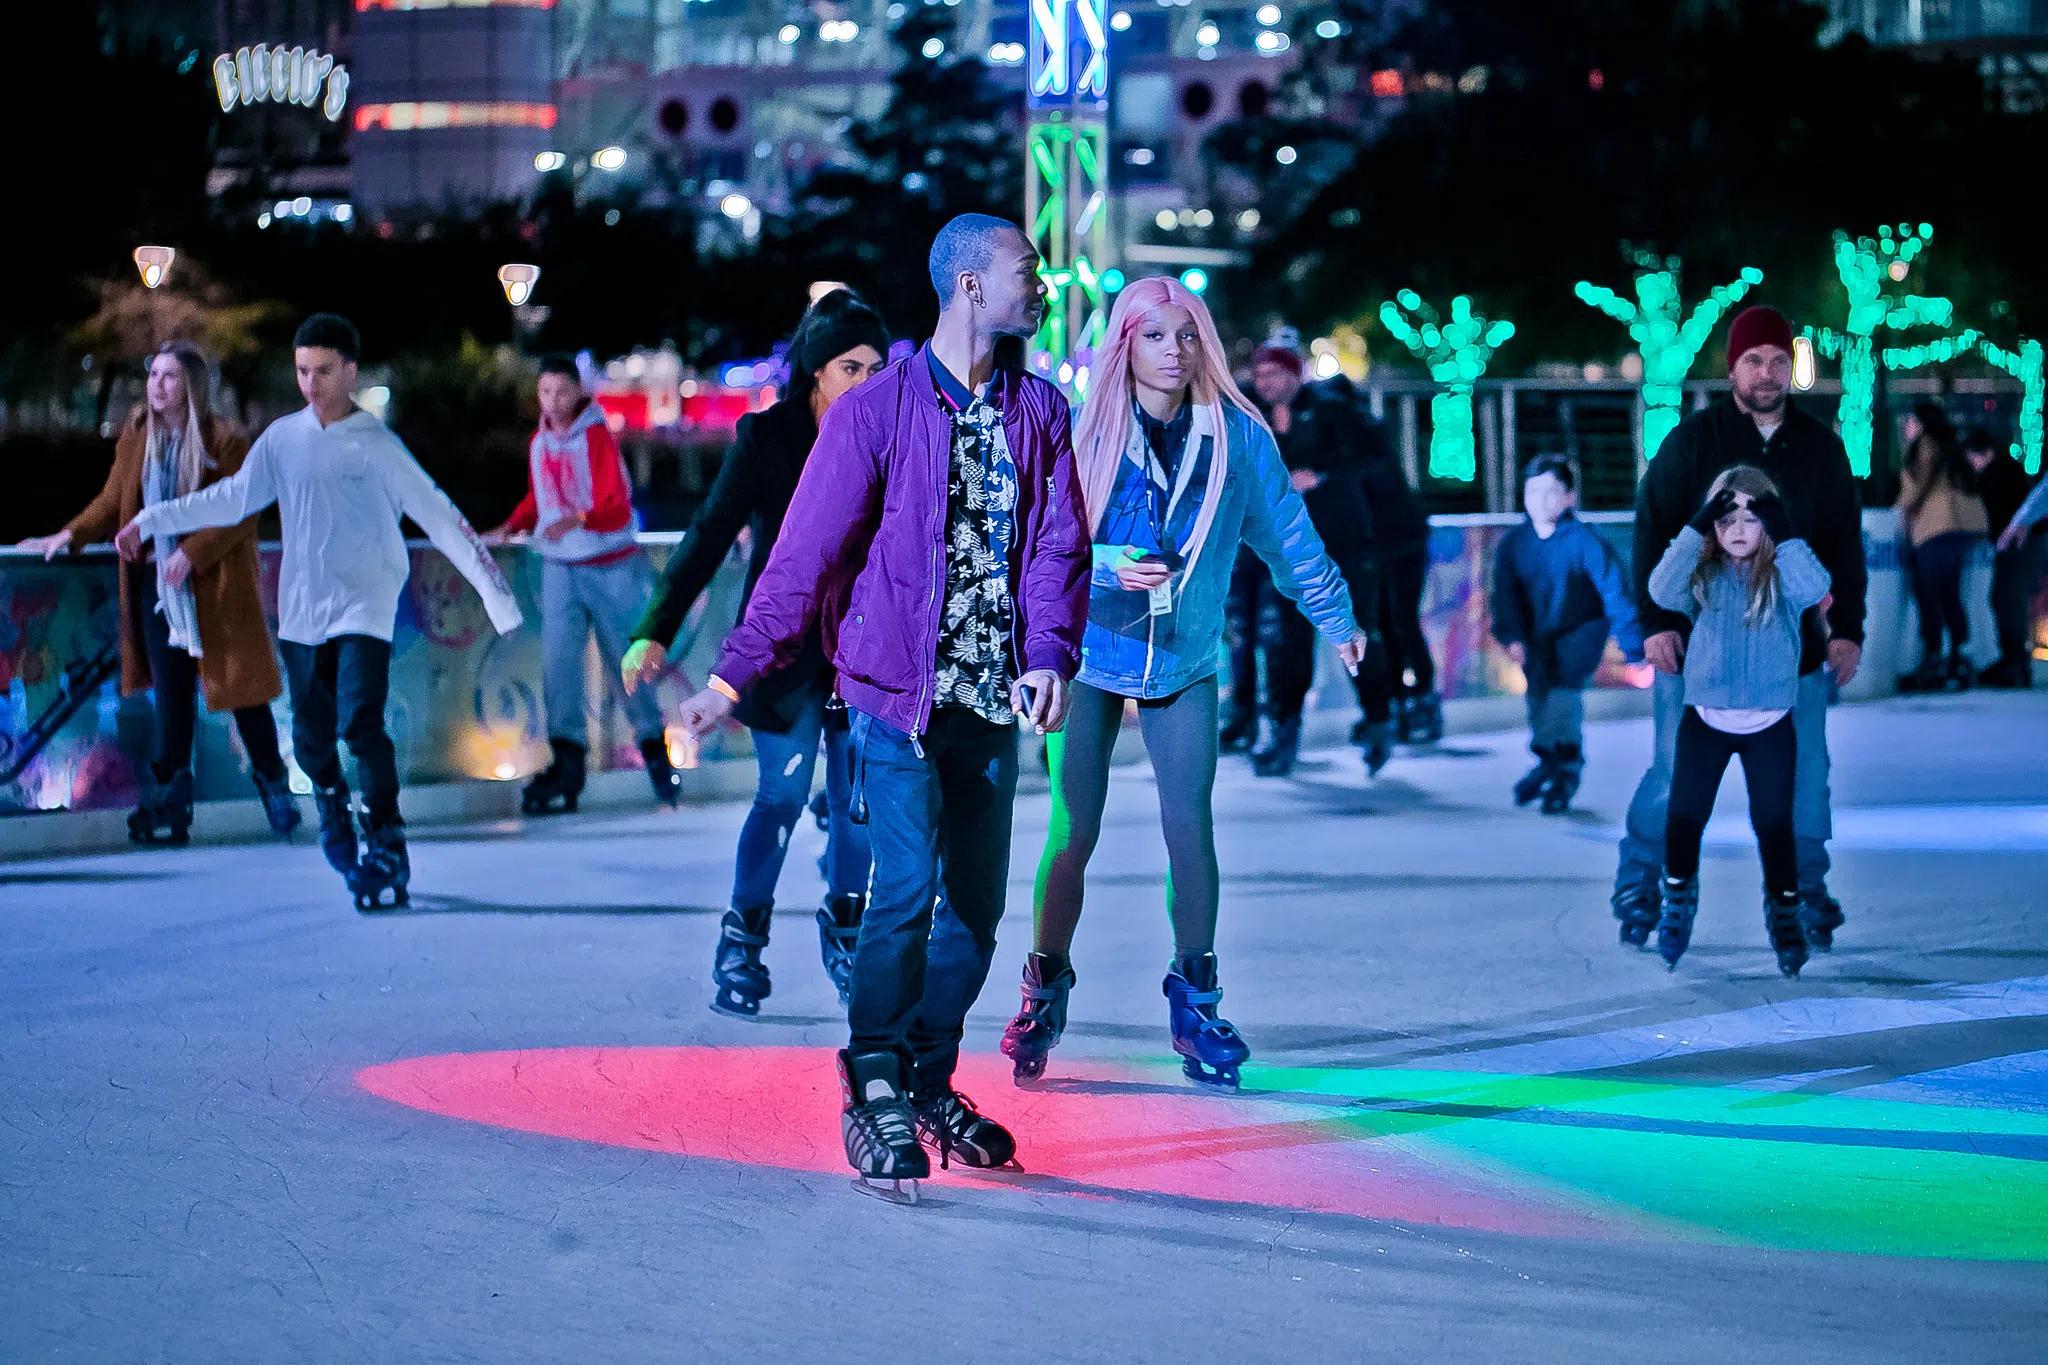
153 263
1667 338
1457 354
518 281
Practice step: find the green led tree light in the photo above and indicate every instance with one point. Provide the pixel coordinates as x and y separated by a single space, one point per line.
2024 365
1668 340
1457 354
1066 180
1866 265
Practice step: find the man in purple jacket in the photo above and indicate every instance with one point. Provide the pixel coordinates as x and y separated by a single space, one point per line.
936 539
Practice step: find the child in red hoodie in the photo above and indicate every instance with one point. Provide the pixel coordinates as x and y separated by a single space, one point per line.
594 576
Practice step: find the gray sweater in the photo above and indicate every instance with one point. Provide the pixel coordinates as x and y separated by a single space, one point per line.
1730 661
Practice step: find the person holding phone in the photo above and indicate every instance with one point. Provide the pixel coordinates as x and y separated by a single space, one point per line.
1177 469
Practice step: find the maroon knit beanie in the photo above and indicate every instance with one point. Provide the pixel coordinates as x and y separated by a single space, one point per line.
1758 326
1284 356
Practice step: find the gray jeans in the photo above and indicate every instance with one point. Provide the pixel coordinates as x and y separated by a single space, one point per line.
1642 847
576 599
1557 715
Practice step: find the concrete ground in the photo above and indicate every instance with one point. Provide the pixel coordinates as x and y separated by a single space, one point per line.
240 1122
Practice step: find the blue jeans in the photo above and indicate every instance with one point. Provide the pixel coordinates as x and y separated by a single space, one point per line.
787 762
575 600
939 823
1642 847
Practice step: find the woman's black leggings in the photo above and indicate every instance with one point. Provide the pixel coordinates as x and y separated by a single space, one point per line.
1769 759
1180 736
174 685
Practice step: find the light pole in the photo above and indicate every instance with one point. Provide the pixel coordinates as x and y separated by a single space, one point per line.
518 281
153 263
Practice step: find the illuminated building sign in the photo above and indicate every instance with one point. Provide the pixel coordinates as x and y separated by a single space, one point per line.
280 75
1069 50
415 116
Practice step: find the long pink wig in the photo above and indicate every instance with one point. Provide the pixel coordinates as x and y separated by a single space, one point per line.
1104 432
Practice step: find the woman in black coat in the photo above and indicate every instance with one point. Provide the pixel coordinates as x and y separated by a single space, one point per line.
840 344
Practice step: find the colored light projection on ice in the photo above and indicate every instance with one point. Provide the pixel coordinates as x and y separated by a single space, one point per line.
1667 338
1456 353
1514 1154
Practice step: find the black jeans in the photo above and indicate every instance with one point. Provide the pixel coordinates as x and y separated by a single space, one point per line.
2015 574
174 687
338 689
939 828
1259 618
1402 576
1769 762
1938 567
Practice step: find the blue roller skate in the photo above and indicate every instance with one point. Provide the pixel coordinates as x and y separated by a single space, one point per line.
1674 925
1210 1048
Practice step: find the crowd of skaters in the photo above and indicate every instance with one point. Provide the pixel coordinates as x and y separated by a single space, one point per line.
944 553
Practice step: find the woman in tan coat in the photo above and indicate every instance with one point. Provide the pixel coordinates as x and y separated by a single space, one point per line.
1945 523
191 616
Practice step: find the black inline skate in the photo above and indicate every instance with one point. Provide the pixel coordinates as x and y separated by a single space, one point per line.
165 815
1674 925
1781 922
1819 916
1564 780
661 774
337 830
1530 784
280 807
736 966
1636 905
1041 1018
555 788
838 935
384 869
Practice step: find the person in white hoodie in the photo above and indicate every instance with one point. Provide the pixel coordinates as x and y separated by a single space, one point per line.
341 481
594 576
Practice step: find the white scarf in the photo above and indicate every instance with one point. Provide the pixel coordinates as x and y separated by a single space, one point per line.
161 482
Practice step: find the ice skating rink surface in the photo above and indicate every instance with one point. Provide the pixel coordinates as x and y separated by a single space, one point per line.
240 1122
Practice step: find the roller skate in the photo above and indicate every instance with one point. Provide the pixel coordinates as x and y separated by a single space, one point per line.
1674 926
165 815
1424 716
949 1124
555 788
1275 757
1635 906
1564 780
1781 922
280 807
1819 916
1530 784
1376 744
1238 731
667 783
838 935
878 1127
1041 1018
1210 1048
337 829
385 868
736 967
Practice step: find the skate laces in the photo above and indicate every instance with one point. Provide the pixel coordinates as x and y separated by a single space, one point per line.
949 1117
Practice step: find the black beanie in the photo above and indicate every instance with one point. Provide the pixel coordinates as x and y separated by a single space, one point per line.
836 324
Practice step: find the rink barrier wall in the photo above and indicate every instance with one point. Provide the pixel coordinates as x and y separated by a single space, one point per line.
466 716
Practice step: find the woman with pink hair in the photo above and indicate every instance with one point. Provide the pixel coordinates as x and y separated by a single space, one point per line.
1177 469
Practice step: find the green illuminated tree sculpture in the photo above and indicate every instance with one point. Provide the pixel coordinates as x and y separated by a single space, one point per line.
2023 364
1866 265
1457 354
1668 340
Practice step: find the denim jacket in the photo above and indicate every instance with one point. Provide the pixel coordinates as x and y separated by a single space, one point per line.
1731 661
1128 650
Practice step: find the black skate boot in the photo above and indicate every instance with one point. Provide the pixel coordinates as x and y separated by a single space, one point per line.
1210 1048
1781 922
1959 674
165 815
280 807
337 829
1425 718
1564 780
1819 916
838 935
949 1124
667 783
1635 906
1377 747
1240 728
1930 676
878 1128
1530 784
1674 926
554 789
385 868
1275 757
1041 1018
736 967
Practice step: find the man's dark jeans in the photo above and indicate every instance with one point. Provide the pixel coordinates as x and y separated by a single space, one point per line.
939 826
338 689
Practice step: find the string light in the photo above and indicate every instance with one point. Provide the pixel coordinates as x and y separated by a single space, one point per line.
2024 365
1668 340
1457 354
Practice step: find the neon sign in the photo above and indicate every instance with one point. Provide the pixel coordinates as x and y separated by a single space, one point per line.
280 75
1069 49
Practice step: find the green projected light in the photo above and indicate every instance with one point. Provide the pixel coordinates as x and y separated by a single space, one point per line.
1668 340
2024 365
1457 354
